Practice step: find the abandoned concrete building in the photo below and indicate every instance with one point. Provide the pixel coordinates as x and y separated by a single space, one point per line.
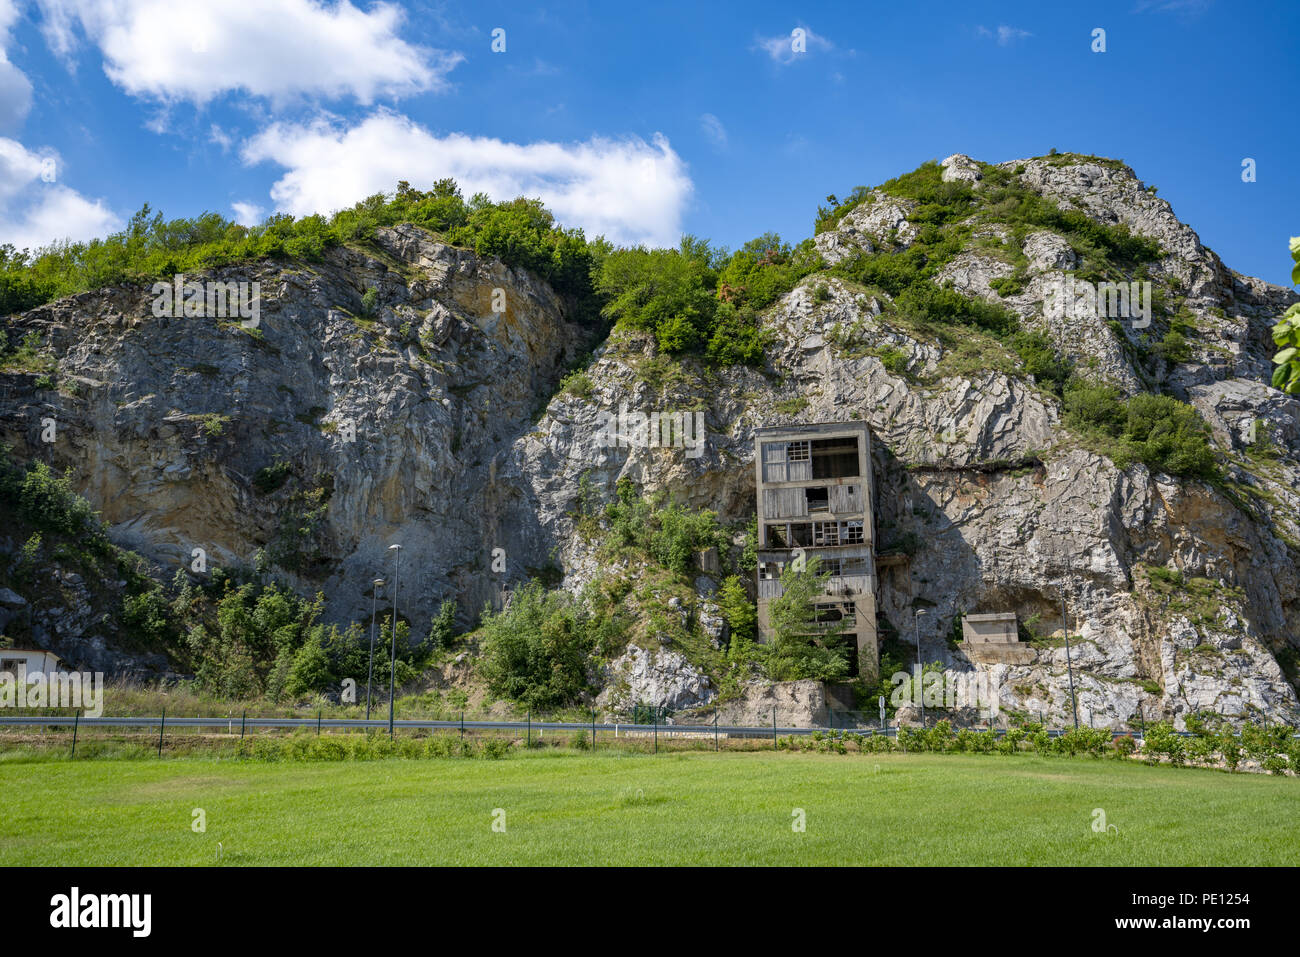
815 495
989 628
994 638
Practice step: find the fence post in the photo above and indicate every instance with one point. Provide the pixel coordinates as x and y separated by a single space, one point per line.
593 730
319 712
530 729
715 729
243 722
774 729
462 725
162 723
75 721
656 720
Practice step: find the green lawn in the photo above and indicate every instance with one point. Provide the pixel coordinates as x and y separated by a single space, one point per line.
690 808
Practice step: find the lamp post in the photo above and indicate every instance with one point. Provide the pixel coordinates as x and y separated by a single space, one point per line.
392 671
1069 664
370 675
920 691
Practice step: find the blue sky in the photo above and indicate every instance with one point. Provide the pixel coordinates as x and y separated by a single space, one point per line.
638 121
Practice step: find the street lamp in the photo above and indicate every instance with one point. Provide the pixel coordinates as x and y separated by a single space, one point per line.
1069 664
370 675
392 672
920 691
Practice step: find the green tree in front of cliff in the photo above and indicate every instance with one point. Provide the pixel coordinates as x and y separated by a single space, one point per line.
1286 336
666 292
801 646
738 610
536 650
442 631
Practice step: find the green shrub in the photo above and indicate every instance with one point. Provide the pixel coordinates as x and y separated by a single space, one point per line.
737 336
535 651
697 300
441 745
271 478
520 232
1161 740
1164 434
1169 436
1173 348
895 361
940 202
577 384
1041 360
329 747
668 533
940 737
1008 285
1286 336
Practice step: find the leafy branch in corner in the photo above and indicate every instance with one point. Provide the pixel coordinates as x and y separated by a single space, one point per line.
1286 335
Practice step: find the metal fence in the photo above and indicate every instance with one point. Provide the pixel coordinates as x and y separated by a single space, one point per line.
651 731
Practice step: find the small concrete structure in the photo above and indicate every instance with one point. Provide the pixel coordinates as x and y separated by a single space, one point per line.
32 661
994 638
982 629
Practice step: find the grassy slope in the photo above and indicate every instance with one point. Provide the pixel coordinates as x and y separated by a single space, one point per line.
622 809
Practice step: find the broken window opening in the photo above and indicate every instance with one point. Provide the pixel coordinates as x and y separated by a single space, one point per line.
834 458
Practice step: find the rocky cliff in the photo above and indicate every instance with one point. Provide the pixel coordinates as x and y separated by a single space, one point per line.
439 423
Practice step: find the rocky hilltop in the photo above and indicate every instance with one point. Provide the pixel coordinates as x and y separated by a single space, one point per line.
440 422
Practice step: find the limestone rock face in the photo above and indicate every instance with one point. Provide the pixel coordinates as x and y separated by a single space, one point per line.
795 703
959 166
464 444
880 221
663 678
402 419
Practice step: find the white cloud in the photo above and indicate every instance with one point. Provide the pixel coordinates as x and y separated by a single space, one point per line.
1005 35
626 189
247 214
1189 7
174 50
221 138
782 47
36 210
15 88
714 130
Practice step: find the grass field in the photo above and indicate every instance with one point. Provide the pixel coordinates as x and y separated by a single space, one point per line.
691 808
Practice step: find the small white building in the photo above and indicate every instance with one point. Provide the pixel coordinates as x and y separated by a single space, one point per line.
34 660
994 638
990 628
